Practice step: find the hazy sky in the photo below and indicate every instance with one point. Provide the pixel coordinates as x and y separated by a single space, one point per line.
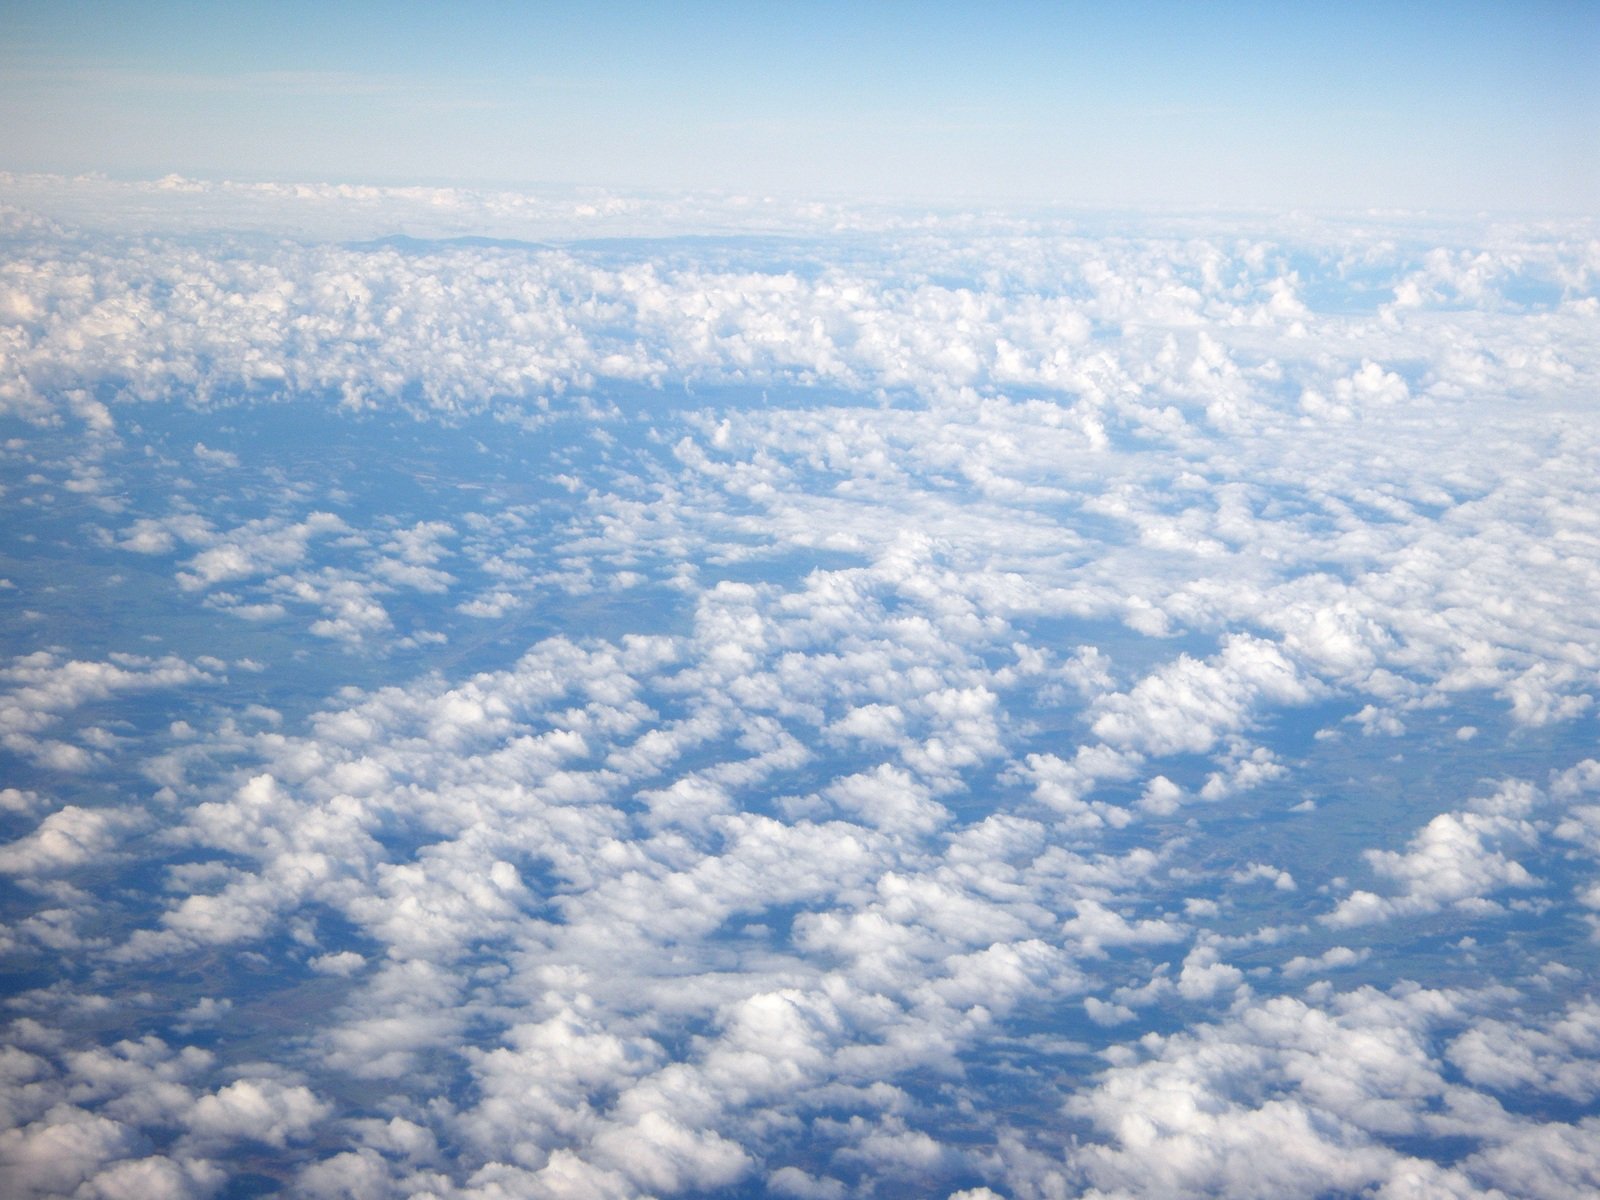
1460 106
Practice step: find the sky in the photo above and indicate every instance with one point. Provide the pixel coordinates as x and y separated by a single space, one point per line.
558 641
1456 107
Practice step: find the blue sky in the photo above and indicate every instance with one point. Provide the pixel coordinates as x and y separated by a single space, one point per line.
655 697
1450 106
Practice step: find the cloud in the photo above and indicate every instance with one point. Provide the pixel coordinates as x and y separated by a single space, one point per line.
42 689
261 1110
67 838
661 1155
1562 1059
61 1151
215 458
1190 705
1336 958
254 549
800 710
155 1178
1457 859
1290 1098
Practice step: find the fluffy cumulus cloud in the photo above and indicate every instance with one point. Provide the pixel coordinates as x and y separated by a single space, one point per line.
1456 859
850 703
1333 1094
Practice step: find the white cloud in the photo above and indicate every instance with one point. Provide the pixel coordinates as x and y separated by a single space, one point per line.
1335 958
56 1154
1457 859
661 1155
949 659
261 1110
1190 705
215 458
1289 1098
155 1178
67 838
255 549
1562 1058
42 689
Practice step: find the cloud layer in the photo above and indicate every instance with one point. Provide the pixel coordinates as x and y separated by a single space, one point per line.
919 705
